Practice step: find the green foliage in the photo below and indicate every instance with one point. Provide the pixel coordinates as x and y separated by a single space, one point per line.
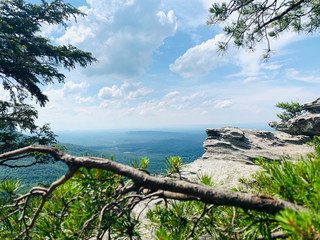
300 225
86 206
8 186
316 145
143 164
297 181
18 129
27 59
292 109
248 22
173 164
206 179
193 219
91 204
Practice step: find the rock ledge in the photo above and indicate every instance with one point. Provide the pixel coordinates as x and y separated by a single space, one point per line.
230 151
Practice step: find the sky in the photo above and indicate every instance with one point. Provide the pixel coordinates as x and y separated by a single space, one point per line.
159 68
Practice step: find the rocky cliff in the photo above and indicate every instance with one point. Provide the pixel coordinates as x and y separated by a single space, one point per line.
306 124
229 153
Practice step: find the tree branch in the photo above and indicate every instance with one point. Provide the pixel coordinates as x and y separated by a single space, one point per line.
203 193
45 195
277 17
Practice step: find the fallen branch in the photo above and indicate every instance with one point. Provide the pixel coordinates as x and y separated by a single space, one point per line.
177 188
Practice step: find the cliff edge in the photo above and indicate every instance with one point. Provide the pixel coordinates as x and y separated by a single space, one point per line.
230 151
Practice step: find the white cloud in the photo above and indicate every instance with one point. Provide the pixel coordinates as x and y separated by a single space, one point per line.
250 79
222 104
125 91
113 104
172 101
199 60
74 88
171 94
81 100
190 14
272 66
121 34
70 92
293 74
4 94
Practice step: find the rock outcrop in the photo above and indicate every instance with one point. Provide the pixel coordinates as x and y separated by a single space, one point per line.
306 124
230 151
229 155
312 107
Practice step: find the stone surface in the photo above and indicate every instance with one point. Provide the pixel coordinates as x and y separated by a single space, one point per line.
312 107
230 151
307 124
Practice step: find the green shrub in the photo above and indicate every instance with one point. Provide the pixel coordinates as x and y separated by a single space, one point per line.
292 109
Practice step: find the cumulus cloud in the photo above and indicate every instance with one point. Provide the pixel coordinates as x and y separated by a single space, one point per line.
190 14
199 60
82 100
74 88
202 58
125 91
122 34
70 92
172 101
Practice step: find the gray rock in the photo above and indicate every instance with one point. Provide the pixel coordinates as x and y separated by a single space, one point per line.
279 126
307 124
312 107
230 151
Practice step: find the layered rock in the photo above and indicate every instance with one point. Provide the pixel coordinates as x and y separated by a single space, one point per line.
230 151
312 107
306 124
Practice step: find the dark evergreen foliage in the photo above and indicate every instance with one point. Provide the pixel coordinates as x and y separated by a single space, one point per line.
16 118
27 59
250 21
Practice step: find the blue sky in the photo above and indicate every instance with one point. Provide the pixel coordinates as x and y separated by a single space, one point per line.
159 67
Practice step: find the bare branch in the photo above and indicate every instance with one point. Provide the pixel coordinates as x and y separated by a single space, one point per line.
205 194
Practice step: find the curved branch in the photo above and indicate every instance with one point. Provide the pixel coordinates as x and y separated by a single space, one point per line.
45 195
204 193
